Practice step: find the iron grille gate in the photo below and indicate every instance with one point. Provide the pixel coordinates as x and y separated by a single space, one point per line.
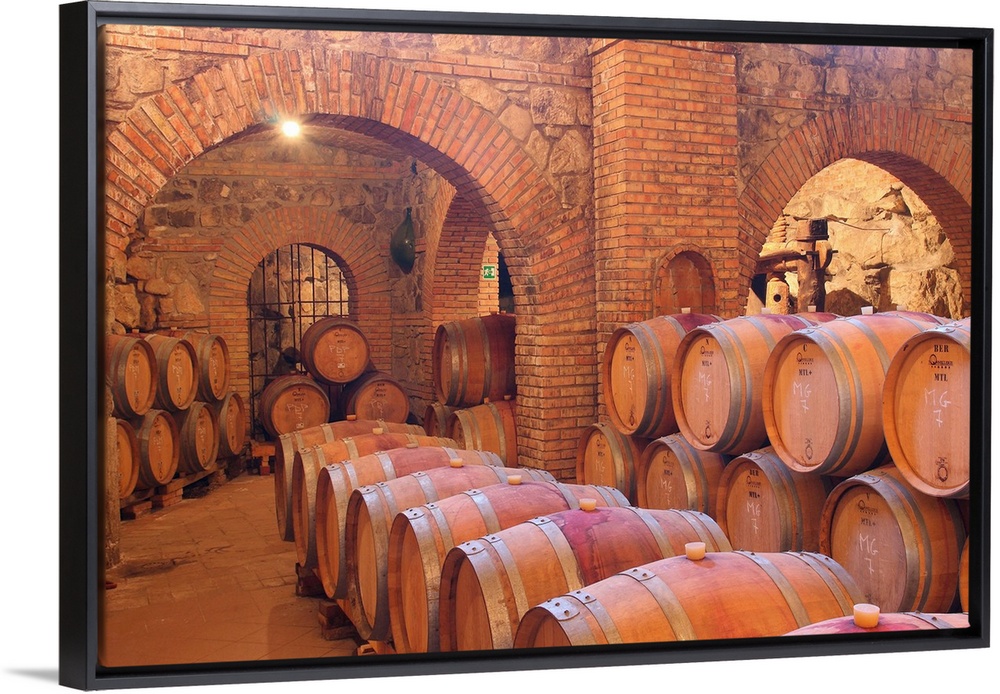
290 290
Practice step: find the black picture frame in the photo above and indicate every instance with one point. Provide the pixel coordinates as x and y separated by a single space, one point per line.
81 330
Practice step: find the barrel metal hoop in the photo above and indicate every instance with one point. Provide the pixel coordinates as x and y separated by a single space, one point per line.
503 622
828 340
668 602
791 538
659 536
459 361
694 471
846 602
911 525
600 615
388 469
563 550
426 486
486 510
487 361
647 341
741 387
792 598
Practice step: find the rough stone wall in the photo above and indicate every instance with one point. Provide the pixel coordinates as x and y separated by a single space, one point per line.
890 248
804 107
590 163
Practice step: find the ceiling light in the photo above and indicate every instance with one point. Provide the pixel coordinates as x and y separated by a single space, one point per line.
290 128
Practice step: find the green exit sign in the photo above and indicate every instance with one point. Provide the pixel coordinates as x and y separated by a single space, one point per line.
489 272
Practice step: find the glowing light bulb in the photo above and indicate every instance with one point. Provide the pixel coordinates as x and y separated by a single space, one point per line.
290 128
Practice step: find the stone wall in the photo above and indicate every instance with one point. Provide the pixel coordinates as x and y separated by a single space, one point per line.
591 164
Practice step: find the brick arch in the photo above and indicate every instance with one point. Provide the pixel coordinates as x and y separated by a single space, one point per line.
935 161
463 142
367 282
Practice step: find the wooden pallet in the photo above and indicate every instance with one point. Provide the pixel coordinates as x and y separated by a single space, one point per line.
262 456
145 501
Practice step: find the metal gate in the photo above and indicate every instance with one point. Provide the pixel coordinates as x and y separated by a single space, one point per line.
290 290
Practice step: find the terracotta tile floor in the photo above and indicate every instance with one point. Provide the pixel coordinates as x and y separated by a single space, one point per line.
210 580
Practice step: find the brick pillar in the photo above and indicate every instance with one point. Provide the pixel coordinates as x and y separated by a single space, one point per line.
665 157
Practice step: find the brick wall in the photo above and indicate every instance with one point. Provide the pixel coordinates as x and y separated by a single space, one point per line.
590 163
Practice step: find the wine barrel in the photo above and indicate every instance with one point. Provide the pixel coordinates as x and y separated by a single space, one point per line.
822 402
288 444
375 395
674 474
335 350
724 595
902 547
636 373
608 457
765 507
177 365
436 416
214 366
132 372
421 537
369 515
322 543
473 360
894 621
292 402
198 438
717 379
232 415
487 584
128 456
487 427
926 409
159 449
963 577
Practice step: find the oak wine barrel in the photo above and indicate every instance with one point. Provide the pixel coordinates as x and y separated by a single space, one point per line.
487 584
436 416
129 460
674 474
375 395
636 373
370 511
473 360
724 595
421 537
926 409
717 379
487 427
292 402
765 507
963 577
132 372
198 438
335 350
214 367
179 375
822 402
326 548
902 547
288 444
159 449
232 415
605 456
893 621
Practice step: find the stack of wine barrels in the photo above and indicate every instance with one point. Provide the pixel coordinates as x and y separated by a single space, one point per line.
175 413
340 383
778 513
473 374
